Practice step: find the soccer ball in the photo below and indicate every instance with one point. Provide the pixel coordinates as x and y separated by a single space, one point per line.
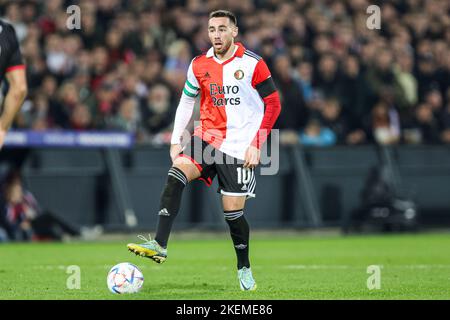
125 277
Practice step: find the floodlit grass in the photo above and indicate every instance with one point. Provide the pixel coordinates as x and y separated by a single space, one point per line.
285 267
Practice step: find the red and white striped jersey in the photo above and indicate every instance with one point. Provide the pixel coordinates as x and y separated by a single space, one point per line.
231 105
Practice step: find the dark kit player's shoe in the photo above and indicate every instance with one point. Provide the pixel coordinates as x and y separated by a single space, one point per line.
149 249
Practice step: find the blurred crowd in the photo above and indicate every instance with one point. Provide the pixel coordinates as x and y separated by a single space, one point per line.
339 81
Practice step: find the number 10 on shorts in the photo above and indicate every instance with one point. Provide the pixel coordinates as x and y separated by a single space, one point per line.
244 175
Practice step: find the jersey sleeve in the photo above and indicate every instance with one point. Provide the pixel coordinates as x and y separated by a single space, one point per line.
185 106
191 87
10 57
262 80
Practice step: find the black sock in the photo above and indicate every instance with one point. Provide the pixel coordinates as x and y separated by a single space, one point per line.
170 204
240 234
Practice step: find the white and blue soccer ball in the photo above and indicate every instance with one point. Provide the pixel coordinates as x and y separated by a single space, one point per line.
125 277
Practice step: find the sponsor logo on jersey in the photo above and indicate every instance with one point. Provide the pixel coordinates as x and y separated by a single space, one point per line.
215 90
239 74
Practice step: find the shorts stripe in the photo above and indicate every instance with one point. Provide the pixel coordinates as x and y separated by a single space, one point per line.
252 183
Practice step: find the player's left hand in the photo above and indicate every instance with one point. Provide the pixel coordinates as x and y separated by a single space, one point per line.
252 157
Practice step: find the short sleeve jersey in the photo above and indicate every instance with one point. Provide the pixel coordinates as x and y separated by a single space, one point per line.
10 56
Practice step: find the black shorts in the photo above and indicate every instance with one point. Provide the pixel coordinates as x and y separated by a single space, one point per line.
234 179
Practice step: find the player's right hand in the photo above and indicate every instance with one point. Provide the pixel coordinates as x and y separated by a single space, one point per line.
252 157
175 150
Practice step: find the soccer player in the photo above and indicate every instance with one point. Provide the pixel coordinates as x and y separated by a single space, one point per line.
239 106
13 69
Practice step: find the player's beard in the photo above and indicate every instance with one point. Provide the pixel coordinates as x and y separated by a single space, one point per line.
224 49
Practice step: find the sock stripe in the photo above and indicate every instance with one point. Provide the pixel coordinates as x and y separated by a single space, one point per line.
233 215
232 211
175 169
232 219
182 176
176 177
177 174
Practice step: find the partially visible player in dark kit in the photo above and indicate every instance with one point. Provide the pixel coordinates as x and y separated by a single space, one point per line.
12 69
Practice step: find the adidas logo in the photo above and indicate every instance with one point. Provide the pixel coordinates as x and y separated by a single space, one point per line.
163 212
207 75
240 246
244 188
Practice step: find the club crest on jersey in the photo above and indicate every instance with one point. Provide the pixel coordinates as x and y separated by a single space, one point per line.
239 74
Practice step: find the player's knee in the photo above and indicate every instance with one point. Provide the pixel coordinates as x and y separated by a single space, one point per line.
181 161
189 169
233 203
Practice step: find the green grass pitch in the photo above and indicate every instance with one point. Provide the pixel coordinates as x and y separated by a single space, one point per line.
285 267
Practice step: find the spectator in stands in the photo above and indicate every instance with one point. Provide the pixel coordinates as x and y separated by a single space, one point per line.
304 74
127 118
130 46
426 124
434 99
445 121
178 59
103 104
327 76
67 98
381 78
36 116
426 73
317 135
18 210
353 90
23 219
403 71
294 114
385 124
157 110
332 118
81 118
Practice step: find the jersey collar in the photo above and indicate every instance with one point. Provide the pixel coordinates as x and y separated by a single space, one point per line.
238 53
